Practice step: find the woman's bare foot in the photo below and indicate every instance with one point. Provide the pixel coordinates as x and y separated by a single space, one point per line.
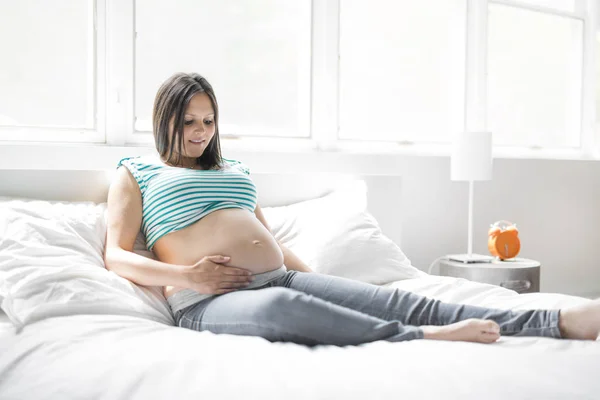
469 330
581 322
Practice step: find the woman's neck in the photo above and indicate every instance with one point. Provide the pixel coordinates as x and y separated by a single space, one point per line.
189 163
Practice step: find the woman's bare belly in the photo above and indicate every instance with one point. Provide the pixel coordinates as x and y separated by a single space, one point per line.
232 232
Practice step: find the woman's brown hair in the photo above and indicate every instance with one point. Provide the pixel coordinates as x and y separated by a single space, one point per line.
171 101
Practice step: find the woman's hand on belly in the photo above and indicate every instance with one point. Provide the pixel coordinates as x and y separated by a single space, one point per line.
231 231
210 276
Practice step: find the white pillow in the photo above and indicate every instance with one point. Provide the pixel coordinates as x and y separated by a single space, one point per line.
336 235
51 264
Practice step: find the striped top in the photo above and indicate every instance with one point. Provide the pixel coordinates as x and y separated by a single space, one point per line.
174 197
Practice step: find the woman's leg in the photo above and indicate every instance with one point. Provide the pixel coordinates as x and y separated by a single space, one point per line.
411 309
284 314
288 315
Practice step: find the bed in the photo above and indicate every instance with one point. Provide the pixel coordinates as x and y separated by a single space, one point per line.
69 329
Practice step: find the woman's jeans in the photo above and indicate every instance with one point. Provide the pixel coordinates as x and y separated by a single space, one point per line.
311 309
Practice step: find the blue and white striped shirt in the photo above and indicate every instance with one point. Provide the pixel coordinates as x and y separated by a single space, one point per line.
174 197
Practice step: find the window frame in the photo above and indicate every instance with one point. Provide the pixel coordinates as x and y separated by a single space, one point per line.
409 138
114 39
122 84
588 136
95 133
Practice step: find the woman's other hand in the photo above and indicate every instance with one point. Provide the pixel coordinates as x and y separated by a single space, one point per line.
209 276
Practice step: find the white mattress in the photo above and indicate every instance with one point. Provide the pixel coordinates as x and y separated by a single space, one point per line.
111 357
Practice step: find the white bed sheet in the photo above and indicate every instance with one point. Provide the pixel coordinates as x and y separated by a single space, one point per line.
117 356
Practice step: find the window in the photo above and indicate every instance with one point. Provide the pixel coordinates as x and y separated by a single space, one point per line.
255 54
326 74
48 72
534 77
402 69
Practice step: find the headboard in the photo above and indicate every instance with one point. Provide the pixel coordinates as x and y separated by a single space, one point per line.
383 196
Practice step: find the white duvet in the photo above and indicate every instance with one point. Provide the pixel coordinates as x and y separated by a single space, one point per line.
126 357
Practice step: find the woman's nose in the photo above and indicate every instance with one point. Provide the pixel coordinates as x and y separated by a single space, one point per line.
200 128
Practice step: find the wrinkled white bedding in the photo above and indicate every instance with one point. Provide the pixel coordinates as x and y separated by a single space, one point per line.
127 357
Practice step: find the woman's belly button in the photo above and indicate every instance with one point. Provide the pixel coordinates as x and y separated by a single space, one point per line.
229 233
259 257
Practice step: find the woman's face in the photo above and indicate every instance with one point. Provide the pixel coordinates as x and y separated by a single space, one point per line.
198 126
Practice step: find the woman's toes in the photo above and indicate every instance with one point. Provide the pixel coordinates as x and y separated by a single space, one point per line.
490 338
484 331
491 327
486 326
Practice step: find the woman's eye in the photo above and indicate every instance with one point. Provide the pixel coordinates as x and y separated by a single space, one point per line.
208 122
189 122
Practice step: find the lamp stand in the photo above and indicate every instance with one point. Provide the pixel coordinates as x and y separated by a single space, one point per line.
470 244
470 257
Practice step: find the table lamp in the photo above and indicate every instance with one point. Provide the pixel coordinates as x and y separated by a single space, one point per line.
471 161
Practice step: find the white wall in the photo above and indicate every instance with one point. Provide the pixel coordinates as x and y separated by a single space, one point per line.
554 202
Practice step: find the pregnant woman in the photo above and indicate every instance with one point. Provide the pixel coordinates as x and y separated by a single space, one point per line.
224 272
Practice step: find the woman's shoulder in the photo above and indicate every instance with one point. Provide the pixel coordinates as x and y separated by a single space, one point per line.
236 164
147 159
126 160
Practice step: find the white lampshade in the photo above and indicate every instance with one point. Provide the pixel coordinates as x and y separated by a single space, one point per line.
472 157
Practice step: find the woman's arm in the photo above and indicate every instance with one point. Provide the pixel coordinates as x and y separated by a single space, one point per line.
142 270
124 207
290 260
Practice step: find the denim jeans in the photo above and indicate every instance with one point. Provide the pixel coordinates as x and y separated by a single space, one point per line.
312 309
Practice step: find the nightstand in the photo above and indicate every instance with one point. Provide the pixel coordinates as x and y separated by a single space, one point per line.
519 274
